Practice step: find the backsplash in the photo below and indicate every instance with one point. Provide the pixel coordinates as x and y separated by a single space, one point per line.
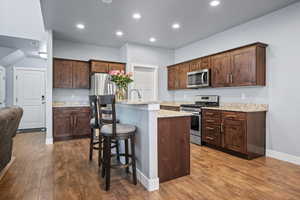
71 95
258 95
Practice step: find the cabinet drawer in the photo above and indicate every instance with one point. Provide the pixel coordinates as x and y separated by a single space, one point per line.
233 115
211 134
211 114
212 120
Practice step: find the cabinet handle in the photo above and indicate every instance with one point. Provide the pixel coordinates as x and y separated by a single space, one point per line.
75 121
222 127
228 78
209 138
210 128
231 78
71 122
209 120
208 113
230 116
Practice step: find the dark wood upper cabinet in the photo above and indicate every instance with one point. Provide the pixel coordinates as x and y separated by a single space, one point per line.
182 71
246 68
81 73
195 65
173 77
117 66
62 74
221 69
71 74
98 66
242 66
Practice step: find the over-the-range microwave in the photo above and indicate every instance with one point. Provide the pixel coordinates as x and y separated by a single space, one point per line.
198 79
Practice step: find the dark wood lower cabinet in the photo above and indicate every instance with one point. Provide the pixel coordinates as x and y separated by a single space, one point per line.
173 147
70 123
243 133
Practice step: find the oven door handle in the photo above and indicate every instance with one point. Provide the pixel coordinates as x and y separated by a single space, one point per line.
196 114
202 78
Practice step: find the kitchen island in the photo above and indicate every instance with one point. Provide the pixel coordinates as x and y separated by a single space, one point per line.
162 141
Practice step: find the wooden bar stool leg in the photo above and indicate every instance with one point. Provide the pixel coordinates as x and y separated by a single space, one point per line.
132 142
126 155
118 150
108 160
91 144
104 158
100 151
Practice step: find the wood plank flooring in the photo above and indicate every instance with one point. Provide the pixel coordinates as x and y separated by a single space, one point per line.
62 172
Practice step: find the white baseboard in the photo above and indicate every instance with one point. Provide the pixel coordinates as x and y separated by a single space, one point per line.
283 156
149 184
49 140
3 171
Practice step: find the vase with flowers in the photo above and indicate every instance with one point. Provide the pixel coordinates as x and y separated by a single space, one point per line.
121 80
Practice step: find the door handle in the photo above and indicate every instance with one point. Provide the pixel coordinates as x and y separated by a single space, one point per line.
231 78
75 121
209 128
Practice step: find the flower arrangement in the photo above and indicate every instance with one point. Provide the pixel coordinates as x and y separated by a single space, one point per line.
121 79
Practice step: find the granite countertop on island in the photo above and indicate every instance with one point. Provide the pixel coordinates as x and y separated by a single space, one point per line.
169 114
174 103
240 107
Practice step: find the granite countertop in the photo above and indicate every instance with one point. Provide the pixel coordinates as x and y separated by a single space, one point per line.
240 107
169 113
70 104
174 103
136 102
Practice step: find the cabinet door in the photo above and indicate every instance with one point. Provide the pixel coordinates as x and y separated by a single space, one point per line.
62 73
182 75
117 66
99 66
172 78
82 122
221 69
81 75
234 135
62 123
205 63
195 65
243 67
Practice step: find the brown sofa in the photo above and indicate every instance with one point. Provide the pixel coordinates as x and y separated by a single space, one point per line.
9 121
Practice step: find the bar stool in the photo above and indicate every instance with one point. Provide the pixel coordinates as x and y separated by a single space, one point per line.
96 143
116 132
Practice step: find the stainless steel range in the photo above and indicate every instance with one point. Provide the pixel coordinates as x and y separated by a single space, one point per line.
195 109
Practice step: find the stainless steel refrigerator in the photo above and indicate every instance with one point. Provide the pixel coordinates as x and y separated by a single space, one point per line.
101 84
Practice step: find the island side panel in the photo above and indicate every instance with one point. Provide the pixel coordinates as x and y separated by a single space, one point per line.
144 117
173 147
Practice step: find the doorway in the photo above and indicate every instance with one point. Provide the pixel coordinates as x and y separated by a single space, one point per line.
30 94
146 81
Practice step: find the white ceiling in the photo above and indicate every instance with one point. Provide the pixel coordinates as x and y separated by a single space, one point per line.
198 20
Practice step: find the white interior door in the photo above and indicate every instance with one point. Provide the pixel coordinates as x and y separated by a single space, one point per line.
30 95
2 86
145 81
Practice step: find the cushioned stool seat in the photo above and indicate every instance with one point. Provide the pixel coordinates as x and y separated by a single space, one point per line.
120 129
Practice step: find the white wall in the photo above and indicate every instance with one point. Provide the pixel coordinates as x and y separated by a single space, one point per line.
22 19
281 30
147 55
81 51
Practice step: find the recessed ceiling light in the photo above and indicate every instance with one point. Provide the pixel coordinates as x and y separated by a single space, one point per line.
80 26
215 3
119 33
176 26
152 39
136 16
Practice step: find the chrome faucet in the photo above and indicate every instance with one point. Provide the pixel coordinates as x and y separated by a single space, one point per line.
138 93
